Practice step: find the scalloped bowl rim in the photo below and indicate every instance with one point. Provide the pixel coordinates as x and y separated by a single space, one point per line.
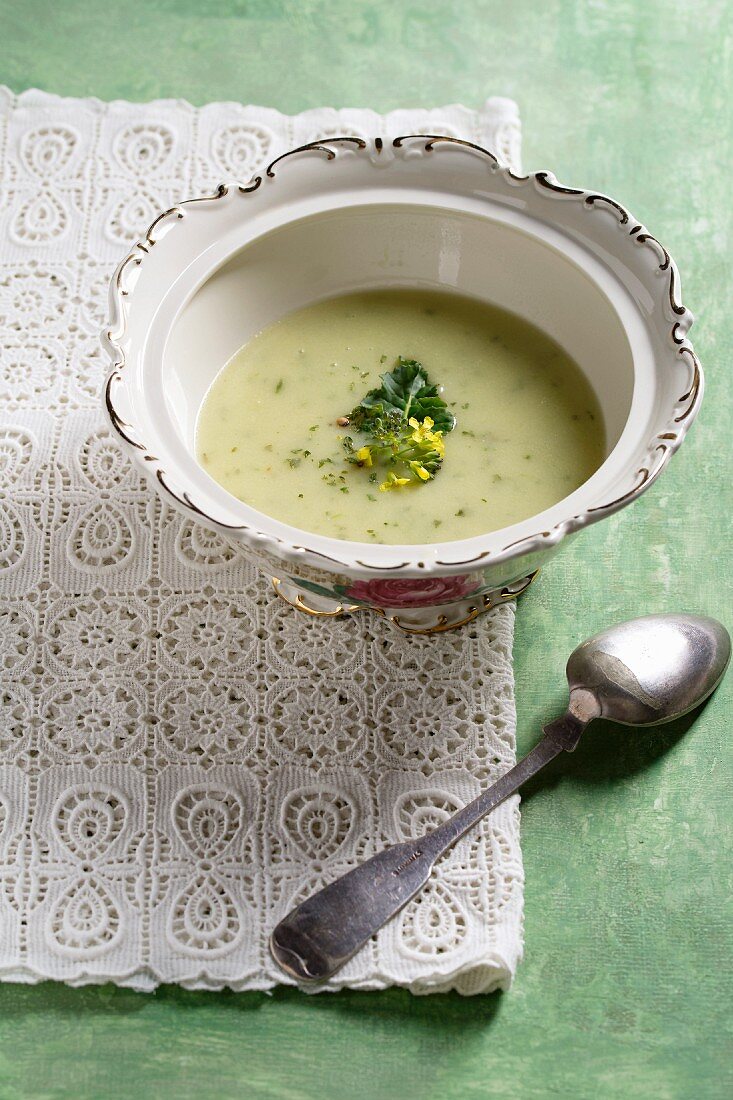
264 533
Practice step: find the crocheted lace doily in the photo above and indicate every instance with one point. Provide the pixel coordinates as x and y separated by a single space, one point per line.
182 756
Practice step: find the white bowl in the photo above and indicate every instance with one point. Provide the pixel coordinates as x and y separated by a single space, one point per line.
434 212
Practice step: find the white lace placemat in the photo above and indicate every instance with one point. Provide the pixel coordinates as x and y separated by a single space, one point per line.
182 756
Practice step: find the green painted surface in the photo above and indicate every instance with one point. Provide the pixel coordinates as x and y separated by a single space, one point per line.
626 986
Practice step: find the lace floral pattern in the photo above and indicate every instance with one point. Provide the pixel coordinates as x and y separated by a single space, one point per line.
182 756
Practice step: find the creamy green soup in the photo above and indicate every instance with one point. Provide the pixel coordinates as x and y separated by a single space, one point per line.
528 429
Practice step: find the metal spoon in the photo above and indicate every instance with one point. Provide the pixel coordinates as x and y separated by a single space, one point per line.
640 673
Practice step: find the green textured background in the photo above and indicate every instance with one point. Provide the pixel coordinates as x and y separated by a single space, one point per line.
626 986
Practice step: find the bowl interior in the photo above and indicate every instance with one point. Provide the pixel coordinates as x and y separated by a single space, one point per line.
383 245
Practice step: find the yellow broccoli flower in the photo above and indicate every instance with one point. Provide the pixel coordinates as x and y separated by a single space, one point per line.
423 433
393 482
364 456
421 472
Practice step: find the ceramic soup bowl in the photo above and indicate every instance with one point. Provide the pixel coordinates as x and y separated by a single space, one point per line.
344 215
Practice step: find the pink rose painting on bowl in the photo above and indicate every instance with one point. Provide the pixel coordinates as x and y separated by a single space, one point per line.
412 592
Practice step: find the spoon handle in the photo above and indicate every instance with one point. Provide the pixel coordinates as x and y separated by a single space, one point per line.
322 933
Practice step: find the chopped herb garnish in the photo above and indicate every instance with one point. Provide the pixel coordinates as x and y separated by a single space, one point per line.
370 496
313 428
293 462
437 522
279 386
460 512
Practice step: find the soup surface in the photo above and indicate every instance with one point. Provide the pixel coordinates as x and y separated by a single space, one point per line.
528 428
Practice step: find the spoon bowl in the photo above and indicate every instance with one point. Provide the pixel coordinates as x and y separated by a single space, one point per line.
651 670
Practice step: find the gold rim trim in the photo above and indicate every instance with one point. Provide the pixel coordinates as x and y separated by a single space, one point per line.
489 601
300 605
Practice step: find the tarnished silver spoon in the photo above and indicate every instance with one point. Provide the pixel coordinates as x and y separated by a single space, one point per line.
641 673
